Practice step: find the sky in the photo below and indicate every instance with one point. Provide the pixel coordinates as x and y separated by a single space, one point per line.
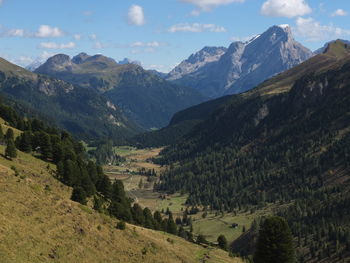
158 33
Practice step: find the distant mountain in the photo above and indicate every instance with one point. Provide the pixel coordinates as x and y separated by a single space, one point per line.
243 65
70 107
34 65
284 144
158 73
145 98
129 61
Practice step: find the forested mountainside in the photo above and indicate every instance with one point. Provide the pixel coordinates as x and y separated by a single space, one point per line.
218 71
144 97
285 142
70 107
180 124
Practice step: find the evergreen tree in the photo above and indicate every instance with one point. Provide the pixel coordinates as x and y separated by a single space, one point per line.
24 142
104 185
171 226
10 150
79 195
222 242
137 214
45 145
149 221
9 134
275 242
2 137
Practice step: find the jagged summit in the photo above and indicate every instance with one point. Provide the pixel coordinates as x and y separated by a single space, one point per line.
243 65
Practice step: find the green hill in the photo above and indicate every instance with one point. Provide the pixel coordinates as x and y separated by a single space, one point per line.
285 142
70 107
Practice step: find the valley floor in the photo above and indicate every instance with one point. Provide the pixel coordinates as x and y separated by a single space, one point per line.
211 226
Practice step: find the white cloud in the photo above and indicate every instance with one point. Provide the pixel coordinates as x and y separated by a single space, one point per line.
77 36
339 12
16 33
45 55
53 45
196 27
23 60
146 44
207 5
136 16
93 37
48 31
313 31
99 45
285 8
87 13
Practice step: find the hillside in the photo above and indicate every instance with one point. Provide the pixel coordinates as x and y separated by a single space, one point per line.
144 97
41 224
70 107
285 142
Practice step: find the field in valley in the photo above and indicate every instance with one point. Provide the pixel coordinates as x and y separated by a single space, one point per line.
211 226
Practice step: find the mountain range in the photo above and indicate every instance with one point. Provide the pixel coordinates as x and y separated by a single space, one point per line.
144 97
218 71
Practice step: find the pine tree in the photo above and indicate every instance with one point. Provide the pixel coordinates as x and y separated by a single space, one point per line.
222 242
171 226
45 145
10 150
79 195
2 137
25 142
275 242
9 134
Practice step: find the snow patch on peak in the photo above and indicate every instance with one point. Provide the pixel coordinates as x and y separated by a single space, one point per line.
284 26
252 39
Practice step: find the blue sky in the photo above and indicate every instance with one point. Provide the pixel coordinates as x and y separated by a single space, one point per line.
159 33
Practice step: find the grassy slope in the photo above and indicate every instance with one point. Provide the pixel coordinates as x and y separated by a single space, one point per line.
40 224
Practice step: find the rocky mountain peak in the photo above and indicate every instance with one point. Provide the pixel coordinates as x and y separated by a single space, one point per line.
196 61
243 65
59 59
80 58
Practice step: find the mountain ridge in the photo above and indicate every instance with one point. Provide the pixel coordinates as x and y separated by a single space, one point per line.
246 64
144 97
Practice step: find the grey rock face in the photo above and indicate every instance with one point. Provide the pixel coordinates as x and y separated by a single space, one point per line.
196 61
245 65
